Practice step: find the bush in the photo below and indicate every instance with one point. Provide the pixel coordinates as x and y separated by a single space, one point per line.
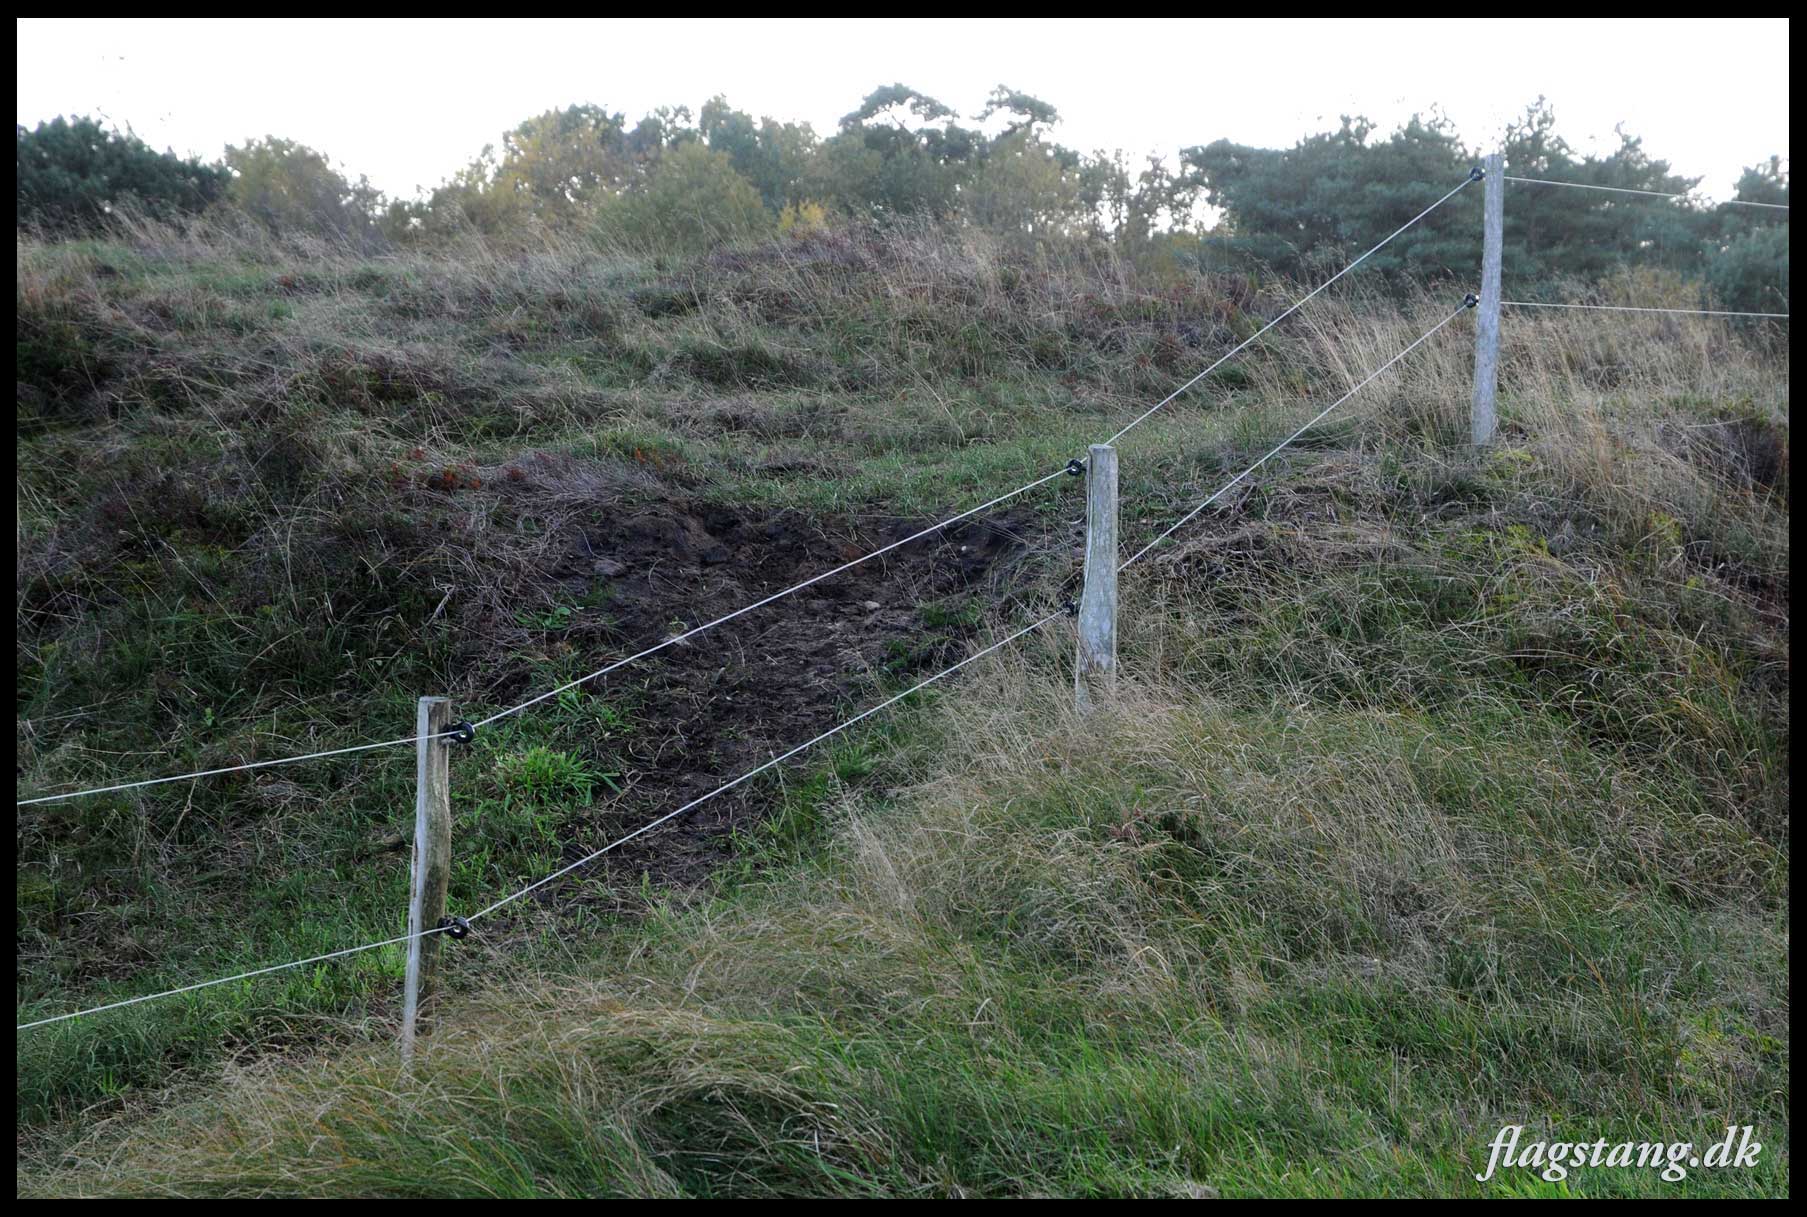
289 187
1752 273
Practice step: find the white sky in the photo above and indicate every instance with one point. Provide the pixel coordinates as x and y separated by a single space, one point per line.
408 102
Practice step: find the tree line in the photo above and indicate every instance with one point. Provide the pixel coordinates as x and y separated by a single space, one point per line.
681 182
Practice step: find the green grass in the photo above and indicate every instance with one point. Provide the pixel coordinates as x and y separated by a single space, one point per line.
1185 948
1443 791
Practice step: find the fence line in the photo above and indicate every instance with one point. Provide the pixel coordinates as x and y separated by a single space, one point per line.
1001 643
512 897
1627 308
1544 181
781 758
793 589
886 704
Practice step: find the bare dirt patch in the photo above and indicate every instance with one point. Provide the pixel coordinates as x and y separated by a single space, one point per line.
716 705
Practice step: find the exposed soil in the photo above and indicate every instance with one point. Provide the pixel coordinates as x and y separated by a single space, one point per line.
708 709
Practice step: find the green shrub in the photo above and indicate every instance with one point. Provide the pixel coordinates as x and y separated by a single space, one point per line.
74 174
693 202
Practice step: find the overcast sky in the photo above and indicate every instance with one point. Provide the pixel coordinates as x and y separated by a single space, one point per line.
408 102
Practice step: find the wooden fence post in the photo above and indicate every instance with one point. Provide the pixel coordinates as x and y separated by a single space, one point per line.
432 857
1095 672
1487 315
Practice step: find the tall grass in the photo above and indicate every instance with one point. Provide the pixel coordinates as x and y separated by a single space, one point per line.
1444 790
1174 950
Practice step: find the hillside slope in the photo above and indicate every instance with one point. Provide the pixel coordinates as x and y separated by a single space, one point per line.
1445 790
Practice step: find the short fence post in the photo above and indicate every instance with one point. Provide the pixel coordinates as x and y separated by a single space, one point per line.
1095 672
432 857
1487 315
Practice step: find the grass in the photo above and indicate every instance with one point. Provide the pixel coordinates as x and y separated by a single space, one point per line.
1187 949
1442 791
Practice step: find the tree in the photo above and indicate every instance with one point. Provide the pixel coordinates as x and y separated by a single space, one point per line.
1029 110
1748 267
289 187
1751 273
900 153
1299 209
560 165
1554 233
1023 183
773 156
1304 209
554 169
655 134
1765 183
1154 199
691 201
73 174
470 201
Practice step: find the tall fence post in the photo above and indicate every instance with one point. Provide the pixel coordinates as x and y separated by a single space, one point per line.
1095 672
1487 315
432 857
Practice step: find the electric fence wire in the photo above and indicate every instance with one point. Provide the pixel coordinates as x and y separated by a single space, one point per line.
1297 305
794 588
751 773
1627 308
226 980
1544 181
1275 450
207 773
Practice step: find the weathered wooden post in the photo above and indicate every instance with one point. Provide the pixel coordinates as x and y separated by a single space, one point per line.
1487 314
432 857
1095 672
